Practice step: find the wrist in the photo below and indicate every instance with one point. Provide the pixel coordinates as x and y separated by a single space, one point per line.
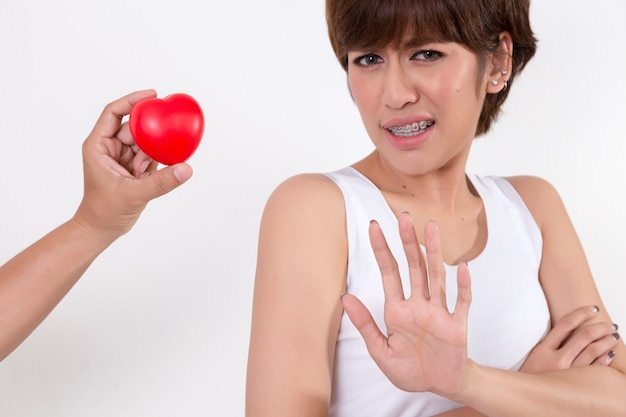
474 379
105 221
92 234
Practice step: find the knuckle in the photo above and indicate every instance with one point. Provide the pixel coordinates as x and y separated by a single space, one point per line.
571 321
109 107
594 332
593 351
577 317
588 333
160 184
563 362
596 350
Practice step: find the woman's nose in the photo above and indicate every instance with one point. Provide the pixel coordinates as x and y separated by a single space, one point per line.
399 90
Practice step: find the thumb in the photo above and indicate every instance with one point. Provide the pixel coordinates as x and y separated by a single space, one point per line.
163 181
364 322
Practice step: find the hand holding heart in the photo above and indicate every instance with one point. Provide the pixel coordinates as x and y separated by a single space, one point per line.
168 130
118 181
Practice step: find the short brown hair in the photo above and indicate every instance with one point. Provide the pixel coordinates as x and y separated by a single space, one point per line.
477 24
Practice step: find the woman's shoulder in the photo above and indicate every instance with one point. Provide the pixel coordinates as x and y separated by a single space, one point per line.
539 195
303 228
530 184
310 196
309 189
533 189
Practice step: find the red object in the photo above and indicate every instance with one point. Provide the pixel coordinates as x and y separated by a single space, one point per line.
168 130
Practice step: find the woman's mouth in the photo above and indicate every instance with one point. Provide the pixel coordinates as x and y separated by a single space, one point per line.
412 129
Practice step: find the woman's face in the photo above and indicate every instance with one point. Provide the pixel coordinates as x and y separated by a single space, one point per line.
420 105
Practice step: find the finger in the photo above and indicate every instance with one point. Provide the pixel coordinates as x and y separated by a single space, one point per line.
605 360
464 296
564 328
392 285
434 259
109 121
413 252
599 347
141 164
112 165
124 135
162 182
152 167
362 319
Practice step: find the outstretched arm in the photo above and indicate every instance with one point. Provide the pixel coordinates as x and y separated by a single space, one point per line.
119 182
425 348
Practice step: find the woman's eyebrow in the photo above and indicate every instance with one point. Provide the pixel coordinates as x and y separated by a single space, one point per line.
417 43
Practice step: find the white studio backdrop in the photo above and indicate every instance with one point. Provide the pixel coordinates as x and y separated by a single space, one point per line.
159 324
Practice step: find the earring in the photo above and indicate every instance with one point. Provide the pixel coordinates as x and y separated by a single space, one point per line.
506 84
504 72
494 82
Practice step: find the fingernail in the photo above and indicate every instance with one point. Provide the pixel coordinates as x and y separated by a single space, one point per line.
616 327
596 309
611 354
616 336
342 295
182 172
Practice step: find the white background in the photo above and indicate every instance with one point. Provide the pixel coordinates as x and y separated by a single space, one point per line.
159 324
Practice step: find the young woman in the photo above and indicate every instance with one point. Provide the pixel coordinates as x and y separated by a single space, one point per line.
487 306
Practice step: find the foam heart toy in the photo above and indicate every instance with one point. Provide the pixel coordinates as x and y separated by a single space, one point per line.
168 130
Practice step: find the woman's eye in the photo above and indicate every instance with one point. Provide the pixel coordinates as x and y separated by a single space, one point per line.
368 60
427 55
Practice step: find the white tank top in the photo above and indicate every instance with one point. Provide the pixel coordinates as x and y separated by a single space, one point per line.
508 315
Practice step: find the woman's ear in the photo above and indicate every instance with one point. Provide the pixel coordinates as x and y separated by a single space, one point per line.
501 61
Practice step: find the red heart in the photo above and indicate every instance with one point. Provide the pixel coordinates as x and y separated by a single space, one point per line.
168 130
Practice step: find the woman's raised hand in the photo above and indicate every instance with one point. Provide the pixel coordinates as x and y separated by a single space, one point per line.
425 348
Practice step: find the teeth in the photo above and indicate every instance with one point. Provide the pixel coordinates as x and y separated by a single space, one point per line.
412 129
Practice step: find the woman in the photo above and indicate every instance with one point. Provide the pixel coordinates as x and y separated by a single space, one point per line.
427 77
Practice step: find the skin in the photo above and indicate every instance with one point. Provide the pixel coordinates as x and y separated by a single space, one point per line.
302 260
119 181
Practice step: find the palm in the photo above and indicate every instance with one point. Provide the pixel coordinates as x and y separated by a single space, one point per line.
426 345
